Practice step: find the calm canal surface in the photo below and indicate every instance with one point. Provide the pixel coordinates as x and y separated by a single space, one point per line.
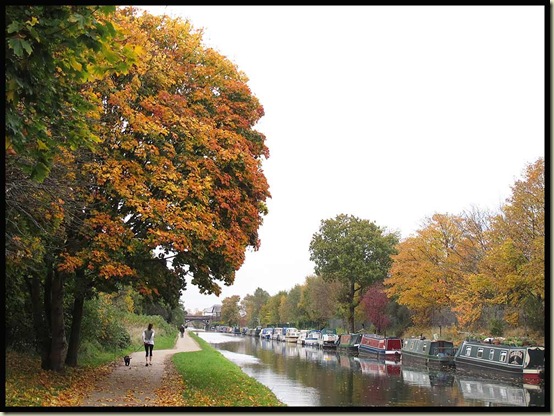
309 376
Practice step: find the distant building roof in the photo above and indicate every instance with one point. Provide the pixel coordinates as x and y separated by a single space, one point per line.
214 310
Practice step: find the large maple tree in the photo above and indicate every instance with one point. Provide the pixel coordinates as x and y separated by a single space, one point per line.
181 162
176 188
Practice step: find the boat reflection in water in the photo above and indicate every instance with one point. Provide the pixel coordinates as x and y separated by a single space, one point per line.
319 355
264 343
426 377
348 361
499 394
378 367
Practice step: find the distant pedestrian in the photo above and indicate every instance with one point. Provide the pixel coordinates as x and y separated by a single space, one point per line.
148 340
182 330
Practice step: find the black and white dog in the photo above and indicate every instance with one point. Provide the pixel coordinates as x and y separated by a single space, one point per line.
127 360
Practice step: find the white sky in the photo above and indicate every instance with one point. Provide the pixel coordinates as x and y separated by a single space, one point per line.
388 113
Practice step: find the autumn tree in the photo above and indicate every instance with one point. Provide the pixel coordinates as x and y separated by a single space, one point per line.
270 311
476 265
515 264
230 310
374 303
470 300
177 188
429 267
252 305
355 252
180 167
288 307
320 300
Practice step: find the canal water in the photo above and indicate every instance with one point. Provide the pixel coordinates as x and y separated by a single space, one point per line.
309 376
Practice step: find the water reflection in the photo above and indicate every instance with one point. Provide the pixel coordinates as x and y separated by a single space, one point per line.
309 376
425 377
494 394
378 367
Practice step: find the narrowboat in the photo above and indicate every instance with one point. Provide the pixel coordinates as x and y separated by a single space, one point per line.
431 353
379 346
502 360
328 339
349 343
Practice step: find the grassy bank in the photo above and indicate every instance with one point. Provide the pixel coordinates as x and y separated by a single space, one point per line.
199 379
212 380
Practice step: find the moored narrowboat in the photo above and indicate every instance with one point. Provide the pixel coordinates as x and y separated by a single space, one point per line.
349 343
502 361
380 346
431 353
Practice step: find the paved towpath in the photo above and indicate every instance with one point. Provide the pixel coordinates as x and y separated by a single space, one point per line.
136 385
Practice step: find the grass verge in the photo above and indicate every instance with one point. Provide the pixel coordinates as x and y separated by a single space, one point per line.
212 380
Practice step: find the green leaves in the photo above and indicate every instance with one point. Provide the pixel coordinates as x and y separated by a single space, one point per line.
51 52
19 45
353 251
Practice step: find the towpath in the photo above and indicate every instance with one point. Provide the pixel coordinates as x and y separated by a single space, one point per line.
137 384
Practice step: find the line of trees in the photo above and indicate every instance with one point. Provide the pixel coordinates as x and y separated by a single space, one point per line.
131 161
475 270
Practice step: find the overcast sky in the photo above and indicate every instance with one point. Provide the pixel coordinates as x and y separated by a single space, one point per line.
387 113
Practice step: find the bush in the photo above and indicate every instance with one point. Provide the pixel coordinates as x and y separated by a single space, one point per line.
496 328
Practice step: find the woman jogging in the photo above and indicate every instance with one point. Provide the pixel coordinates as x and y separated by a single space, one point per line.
148 340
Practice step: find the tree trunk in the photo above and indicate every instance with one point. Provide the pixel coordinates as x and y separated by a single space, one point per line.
58 349
78 307
47 333
351 318
40 326
351 307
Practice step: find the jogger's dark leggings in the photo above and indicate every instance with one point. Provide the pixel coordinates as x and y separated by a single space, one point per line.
148 347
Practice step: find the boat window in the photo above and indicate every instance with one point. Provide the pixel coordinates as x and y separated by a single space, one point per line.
503 356
516 357
491 354
468 351
480 353
424 346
